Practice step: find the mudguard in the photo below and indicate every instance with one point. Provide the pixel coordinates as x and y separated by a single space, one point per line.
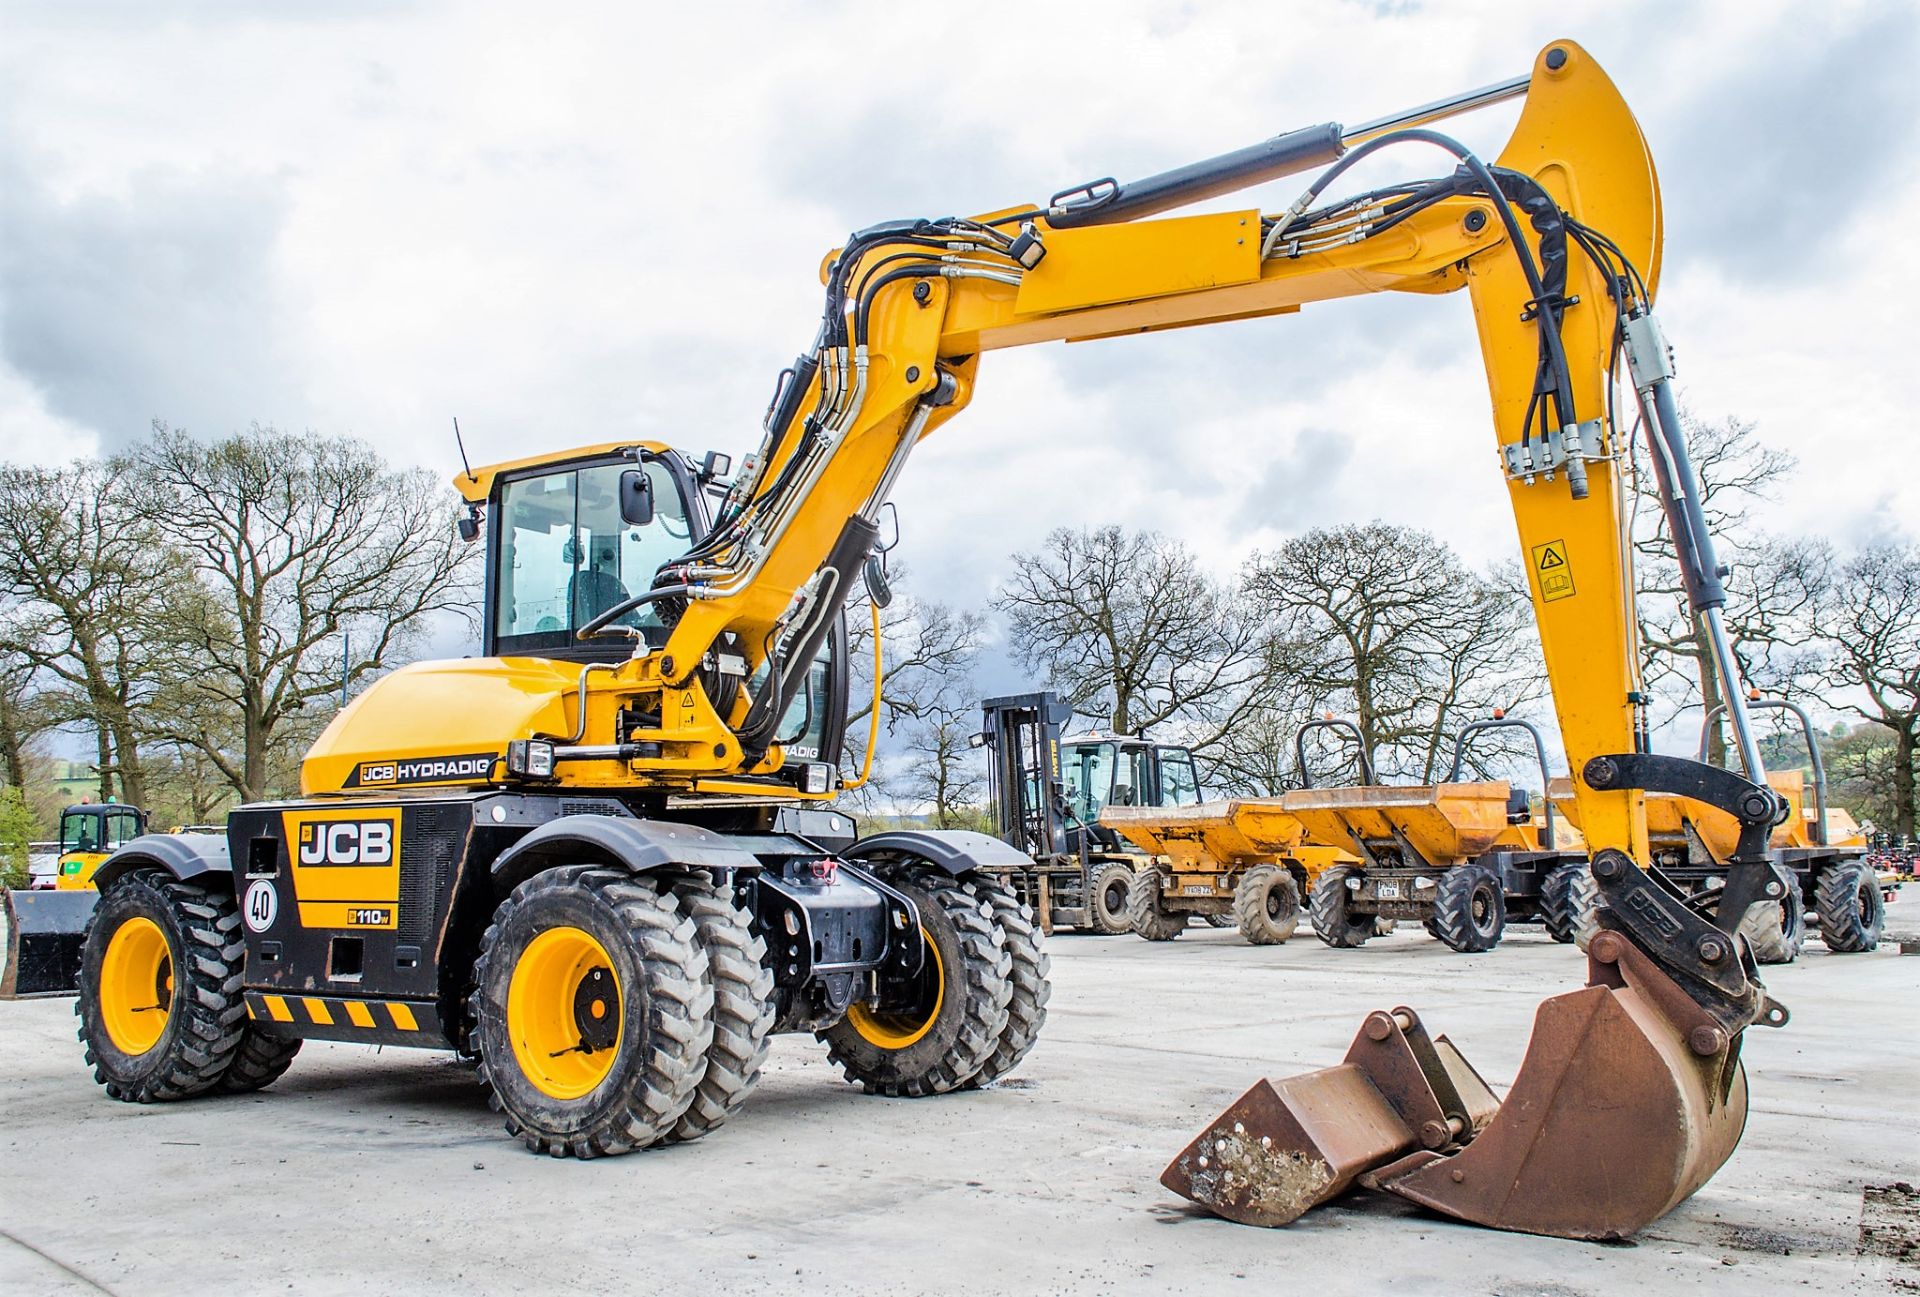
186 856
957 851
639 845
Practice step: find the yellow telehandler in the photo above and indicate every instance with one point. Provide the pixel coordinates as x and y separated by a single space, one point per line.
597 856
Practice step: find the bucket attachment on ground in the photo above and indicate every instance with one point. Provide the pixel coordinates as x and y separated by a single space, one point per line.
1630 1097
44 933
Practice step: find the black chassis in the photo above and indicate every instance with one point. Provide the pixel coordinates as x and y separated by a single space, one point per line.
835 932
1695 872
1521 872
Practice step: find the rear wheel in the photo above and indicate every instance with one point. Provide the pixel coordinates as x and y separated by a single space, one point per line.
594 1011
1569 903
1145 914
1266 905
161 1014
1469 908
1776 930
1851 908
742 1003
1330 904
938 1031
1225 920
1107 898
1027 1005
259 1062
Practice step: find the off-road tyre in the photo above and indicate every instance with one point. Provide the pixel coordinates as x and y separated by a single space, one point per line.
967 1023
666 1026
1334 921
1224 919
1108 892
1570 903
259 1062
1144 914
1032 987
743 1007
1266 905
1469 908
1850 906
1776 930
206 1013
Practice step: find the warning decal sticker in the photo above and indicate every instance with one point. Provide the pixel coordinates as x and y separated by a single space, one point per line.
1554 573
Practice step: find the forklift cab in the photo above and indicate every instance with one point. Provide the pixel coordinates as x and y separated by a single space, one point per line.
564 547
1101 770
89 833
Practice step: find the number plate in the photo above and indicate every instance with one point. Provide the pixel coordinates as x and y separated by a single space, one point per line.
1196 889
1386 891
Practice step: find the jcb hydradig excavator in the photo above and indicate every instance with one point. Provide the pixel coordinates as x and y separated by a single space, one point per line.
588 856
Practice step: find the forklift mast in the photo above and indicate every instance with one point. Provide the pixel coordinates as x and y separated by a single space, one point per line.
1022 733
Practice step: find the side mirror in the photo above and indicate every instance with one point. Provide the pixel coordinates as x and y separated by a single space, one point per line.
636 497
469 525
715 465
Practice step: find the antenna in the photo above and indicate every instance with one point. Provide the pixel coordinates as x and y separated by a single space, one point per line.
463 450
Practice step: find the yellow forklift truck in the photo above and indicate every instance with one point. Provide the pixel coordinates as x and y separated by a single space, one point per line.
45 924
1050 796
1817 851
1463 859
89 833
592 856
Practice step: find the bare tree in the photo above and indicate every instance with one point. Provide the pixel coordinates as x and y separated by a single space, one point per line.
1386 624
1771 585
1129 624
943 769
1870 624
82 573
296 541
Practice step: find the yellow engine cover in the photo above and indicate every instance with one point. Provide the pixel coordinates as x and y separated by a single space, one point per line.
439 724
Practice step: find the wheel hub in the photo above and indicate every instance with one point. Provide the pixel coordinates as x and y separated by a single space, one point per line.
564 1012
136 985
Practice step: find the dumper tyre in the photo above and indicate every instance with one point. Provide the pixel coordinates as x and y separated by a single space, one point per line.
1850 906
743 1008
1776 930
259 1062
180 943
1107 897
1145 915
1031 979
1266 905
1225 920
1334 921
961 996
594 1011
1469 909
1570 903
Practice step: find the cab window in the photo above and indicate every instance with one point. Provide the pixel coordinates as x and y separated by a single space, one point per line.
1178 786
80 831
1087 771
565 555
123 826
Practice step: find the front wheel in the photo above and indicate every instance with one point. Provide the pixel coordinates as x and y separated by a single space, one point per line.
593 1010
1330 905
1469 908
938 1030
1776 930
1852 910
1145 914
1266 905
160 1008
1107 898
1570 903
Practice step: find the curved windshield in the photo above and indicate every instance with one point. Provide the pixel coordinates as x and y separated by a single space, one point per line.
566 556
1087 771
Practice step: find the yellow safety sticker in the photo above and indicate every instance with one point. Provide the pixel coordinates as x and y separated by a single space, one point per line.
1554 573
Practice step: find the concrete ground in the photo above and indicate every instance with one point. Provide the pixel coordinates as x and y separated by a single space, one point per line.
384 1172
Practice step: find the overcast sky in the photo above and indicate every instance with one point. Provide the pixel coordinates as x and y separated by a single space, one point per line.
573 223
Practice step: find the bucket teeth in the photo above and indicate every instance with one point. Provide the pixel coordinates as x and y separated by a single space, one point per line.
1619 1112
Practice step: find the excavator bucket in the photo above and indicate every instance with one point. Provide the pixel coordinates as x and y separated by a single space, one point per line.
44 934
1630 1097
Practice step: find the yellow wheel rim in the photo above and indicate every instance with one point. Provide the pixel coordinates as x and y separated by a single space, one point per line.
564 1007
899 1028
136 986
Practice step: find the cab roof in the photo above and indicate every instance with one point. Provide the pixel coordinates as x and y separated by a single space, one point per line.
475 486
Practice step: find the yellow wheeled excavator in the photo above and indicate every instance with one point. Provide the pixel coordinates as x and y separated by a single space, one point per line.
594 856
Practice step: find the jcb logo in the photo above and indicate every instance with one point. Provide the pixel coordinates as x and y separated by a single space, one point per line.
378 772
347 842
